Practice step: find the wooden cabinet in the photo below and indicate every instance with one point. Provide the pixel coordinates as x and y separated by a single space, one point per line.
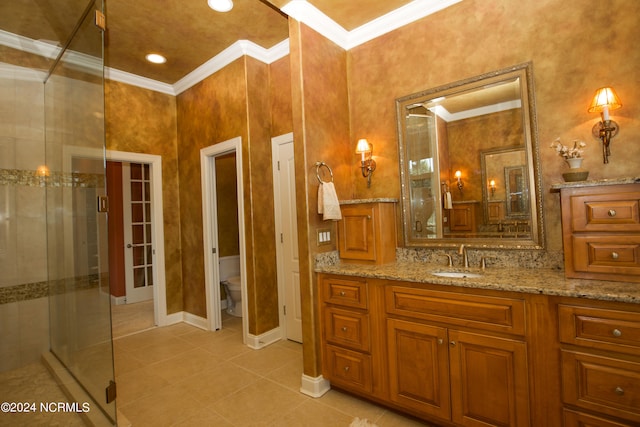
367 232
600 363
349 334
601 232
463 217
438 369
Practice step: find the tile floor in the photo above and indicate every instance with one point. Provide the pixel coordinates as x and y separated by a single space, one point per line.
183 376
180 375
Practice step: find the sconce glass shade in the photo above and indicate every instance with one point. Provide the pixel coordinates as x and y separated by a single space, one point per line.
220 5
604 97
458 174
363 146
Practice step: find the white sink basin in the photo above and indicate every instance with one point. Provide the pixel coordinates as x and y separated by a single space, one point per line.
457 274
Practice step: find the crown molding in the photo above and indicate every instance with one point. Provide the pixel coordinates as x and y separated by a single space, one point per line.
227 56
300 10
305 12
136 80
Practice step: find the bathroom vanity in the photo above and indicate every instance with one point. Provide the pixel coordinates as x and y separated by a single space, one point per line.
517 347
501 346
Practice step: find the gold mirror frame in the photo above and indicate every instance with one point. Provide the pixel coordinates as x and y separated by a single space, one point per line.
534 239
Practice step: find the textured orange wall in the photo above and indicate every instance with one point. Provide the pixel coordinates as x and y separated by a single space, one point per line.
574 51
280 88
230 103
143 121
321 133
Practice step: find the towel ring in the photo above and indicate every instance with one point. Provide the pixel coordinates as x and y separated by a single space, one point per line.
318 166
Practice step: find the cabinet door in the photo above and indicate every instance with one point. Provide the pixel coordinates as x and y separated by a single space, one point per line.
489 380
418 367
463 218
356 233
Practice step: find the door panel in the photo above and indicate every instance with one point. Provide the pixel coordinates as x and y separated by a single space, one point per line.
137 232
289 262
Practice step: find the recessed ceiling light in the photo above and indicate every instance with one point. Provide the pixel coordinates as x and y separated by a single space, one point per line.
155 58
221 5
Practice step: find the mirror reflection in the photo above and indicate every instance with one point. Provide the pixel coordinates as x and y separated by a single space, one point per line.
469 162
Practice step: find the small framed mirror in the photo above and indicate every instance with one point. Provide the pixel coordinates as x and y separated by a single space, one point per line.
469 163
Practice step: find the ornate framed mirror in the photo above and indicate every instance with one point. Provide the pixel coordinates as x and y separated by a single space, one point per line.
469 153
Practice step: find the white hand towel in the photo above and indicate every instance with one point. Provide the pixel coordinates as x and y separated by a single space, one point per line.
328 204
448 204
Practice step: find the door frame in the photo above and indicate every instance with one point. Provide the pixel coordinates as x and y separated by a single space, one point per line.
210 231
157 227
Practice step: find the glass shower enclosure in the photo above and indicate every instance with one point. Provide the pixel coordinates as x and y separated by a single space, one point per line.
76 211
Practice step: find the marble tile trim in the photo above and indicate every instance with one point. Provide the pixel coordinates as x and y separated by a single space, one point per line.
31 178
29 291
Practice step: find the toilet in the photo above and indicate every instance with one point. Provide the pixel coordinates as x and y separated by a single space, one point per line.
234 293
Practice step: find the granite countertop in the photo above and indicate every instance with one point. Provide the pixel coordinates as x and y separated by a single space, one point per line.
596 183
527 280
375 200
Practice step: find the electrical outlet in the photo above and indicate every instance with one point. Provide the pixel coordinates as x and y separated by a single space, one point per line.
324 236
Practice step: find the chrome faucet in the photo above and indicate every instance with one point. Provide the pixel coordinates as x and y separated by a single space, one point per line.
465 259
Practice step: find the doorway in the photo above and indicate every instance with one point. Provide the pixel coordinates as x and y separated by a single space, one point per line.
147 234
210 206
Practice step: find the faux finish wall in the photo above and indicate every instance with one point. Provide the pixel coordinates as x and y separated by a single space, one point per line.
574 51
230 103
321 133
143 121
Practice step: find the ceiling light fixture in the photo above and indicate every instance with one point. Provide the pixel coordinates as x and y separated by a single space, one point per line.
220 5
156 58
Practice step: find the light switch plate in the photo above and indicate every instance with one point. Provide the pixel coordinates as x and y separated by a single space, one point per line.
324 236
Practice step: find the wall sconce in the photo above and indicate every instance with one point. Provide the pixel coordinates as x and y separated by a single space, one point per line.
367 164
605 100
458 176
492 187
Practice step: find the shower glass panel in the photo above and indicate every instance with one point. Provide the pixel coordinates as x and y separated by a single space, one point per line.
79 298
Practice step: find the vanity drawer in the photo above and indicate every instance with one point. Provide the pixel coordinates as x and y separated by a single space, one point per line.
613 330
345 292
347 328
487 313
615 209
607 254
348 368
579 419
609 386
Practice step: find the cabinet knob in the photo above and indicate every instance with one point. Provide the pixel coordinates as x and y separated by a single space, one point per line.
619 391
346 368
615 255
612 213
440 341
342 293
453 343
344 329
616 333
368 216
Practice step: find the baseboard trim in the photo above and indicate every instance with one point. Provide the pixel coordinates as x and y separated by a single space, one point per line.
257 342
314 387
118 300
193 320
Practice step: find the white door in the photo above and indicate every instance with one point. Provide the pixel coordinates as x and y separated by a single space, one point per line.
287 236
138 253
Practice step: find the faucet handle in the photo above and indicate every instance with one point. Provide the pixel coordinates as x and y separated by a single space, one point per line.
483 262
450 261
